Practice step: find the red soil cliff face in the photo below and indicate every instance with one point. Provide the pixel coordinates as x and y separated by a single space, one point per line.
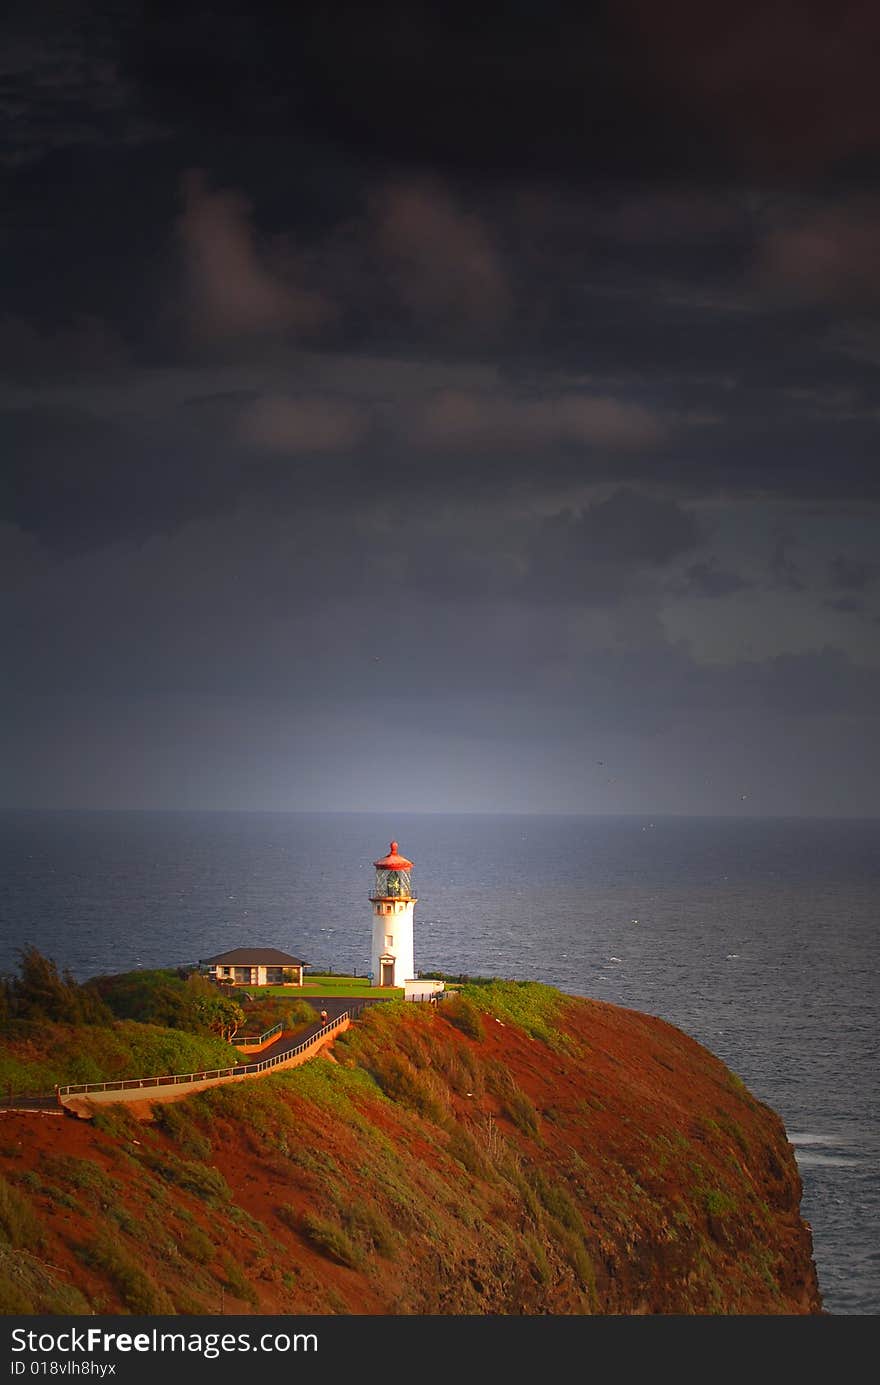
619 1168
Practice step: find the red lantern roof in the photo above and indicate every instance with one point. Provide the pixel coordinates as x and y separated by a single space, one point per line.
393 861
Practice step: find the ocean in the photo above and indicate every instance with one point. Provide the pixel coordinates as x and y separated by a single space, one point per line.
758 937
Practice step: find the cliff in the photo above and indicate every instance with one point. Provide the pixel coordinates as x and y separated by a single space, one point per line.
512 1151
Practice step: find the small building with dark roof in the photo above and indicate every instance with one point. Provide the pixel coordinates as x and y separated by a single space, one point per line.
255 966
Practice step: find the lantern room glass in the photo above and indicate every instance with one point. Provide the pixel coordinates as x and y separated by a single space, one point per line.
393 884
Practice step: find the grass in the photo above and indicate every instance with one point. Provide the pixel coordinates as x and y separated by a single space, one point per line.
532 1007
36 1057
233 1278
203 1180
463 1013
28 1285
180 1126
344 987
718 1203
332 1240
19 1225
134 1286
196 1246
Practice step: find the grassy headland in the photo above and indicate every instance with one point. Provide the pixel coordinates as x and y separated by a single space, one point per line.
513 1150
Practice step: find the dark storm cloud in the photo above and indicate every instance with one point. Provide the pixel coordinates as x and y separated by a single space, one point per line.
517 88
78 480
471 375
627 88
707 579
591 557
850 574
783 570
83 347
787 87
60 80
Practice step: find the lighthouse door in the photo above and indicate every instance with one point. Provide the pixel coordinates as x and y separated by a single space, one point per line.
387 973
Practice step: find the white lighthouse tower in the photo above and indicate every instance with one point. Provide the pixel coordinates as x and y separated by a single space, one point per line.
393 903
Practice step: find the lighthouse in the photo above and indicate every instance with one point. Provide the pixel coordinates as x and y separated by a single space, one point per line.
393 903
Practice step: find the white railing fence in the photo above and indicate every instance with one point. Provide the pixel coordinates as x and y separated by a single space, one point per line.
178 1079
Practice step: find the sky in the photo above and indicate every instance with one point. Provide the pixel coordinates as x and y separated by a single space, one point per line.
419 409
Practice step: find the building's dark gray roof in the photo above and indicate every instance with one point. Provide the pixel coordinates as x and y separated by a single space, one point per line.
255 957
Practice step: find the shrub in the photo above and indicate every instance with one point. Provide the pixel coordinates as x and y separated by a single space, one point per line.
578 1257
463 1013
134 1286
332 1240
115 1119
236 1281
369 1226
401 1081
558 1202
178 1123
37 1056
38 992
270 1010
196 1246
521 1111
463 1148
19 1225
203 1180
79 1173
540 1265
289 1215
27 1285
527 1004
166 998
718 1203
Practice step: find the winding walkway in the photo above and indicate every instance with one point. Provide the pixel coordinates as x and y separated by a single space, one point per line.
80 1099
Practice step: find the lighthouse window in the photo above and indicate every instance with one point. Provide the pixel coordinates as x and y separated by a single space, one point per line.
389 939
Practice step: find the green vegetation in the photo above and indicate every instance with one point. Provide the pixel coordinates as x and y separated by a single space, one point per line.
135 1287
498 1176
203 1180
28 1285
332 1240
19 1225
39 993
269 1010
367 1224
173 999
56 1031
718 1203
178 1122
36 1056
233 1279
355 987
464 1014
196 1246
532 1007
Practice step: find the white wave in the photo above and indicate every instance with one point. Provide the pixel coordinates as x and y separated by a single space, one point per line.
836 1161
808 1137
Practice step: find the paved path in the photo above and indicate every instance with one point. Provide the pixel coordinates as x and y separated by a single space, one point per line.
82 1103
335 1006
